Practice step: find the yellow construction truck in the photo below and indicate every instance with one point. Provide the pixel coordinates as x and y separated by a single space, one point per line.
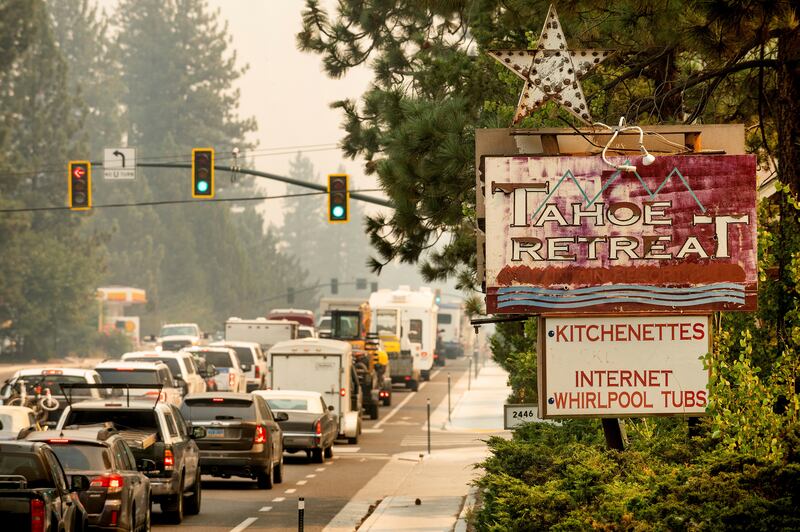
350 322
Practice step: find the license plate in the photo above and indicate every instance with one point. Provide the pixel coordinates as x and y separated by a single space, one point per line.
215 433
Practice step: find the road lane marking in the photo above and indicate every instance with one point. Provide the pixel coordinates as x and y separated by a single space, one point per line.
266 508
348 449
302 482
320 469
290 491
435 373
311 475
393 411
279 499
244 524
371 431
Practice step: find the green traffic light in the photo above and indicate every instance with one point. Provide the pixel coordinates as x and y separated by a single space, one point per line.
337 211
202 186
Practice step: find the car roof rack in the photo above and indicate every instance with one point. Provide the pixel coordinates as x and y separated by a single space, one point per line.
68 387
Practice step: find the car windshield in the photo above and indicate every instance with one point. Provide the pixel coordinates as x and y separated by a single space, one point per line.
53 383
304 333
128 376
82 457
345 325
295 403
220 359
27 465
245 355
173 364
123 419
209 409
386 321
178 330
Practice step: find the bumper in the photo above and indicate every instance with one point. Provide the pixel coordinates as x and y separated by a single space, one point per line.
102 521
236 463
164 487
300 441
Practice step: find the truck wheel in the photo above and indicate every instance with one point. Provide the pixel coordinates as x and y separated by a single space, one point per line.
277 473
413 385
387 401
194 500
329 451
316 456
264 479
174 508
425 375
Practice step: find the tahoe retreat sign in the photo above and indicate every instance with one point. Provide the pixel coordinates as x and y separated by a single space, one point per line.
571 235
623 366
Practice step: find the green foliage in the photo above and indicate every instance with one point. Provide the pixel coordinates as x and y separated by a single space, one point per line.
113 343
514 348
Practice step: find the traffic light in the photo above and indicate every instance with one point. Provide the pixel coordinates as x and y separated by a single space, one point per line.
338 199
80 185
438 295
203 173
334 286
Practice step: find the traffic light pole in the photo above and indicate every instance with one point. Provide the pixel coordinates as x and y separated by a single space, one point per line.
266 175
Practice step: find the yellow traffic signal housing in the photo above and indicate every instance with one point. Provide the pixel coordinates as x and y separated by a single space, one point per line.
203 173
79 184
338 198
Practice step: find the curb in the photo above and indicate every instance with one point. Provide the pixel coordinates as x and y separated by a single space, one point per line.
469 503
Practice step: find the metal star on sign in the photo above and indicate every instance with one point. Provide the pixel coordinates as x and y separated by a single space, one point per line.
551 72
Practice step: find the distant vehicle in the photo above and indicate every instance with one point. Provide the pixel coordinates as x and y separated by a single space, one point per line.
266 332
253 361
242 438
311 425
34 492
181 365
301 316
176 336
449 322
306 331
229 377
16 422
50 379
119 495
162 444
324 327
326 367
206 371
157 374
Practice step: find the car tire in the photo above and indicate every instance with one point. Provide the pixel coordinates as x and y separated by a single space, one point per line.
277 473
373 411
316 456
329 451
387 401
173 509
413 385
264 480
194 501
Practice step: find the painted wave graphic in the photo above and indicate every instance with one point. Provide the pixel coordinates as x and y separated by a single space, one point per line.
531 296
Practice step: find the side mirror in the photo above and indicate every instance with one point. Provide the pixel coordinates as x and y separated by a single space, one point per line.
145 465
198 433
280 416
79 483
330 408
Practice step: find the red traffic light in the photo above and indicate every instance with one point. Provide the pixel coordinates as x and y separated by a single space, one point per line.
79 185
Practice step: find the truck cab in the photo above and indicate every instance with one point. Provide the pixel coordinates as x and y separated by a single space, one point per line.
176 336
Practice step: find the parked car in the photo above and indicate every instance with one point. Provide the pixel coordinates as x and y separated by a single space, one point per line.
157 374
180 363
229 377
118 497
16 421
161 442
310 424
253 361
242 438
49 379
34 492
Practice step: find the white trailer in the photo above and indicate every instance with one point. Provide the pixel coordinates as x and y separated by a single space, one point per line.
411 316
261 330
323 366
451 333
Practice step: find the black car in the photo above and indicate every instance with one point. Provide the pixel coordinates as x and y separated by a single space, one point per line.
119 496
242 437
34 492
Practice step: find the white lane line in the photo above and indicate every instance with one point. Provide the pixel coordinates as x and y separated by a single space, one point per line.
266 508
348 449
435 373
244 524
393 411
311 475
279 499
301 483
290 491
320 469
371 431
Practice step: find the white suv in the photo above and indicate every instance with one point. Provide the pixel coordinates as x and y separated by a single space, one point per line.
229 377
253 361
181 364
153 373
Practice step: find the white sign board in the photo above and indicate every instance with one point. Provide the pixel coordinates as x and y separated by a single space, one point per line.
623 366
119 163
516 415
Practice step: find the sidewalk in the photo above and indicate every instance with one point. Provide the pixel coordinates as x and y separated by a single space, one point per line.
441 480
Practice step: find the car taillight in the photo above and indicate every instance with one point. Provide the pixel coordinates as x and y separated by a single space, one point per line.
318 428
258 371
342 392
37 515
112 483
231 379
408 378
169 460
261 435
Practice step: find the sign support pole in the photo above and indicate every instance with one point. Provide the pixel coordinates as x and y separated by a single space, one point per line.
613 433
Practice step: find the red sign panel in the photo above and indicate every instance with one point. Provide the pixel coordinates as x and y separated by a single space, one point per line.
571 235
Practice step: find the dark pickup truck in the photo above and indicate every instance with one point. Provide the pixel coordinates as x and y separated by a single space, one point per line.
34 494
159 439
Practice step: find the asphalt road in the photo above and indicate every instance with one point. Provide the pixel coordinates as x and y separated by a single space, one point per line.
236 504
